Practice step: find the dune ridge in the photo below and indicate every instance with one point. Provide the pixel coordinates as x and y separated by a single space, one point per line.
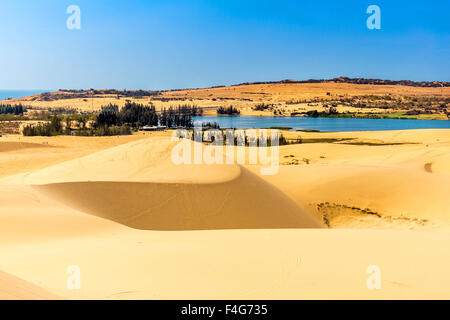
6 146
137 184
247 202
101 212
13 288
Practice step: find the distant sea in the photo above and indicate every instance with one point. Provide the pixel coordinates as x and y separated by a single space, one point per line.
5 94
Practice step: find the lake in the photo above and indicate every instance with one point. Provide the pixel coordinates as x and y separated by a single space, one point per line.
324 124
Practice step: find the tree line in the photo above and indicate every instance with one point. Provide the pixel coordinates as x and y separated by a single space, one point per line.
180 116
228 110
18 109
52 128
243 140
137 115
112 120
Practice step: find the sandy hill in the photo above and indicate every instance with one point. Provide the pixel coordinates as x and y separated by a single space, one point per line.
137 184
293 91
13 288
100 204
287 96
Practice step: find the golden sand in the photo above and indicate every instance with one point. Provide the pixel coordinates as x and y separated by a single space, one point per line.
308 232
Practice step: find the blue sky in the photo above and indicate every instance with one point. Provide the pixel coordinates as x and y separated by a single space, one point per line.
198 43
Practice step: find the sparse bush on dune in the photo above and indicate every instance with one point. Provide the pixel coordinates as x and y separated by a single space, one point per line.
52 128
105 131
262 107
228 111
210 125
245 140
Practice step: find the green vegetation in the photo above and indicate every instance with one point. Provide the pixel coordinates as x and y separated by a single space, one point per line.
231 111
281 128
316 114
110 121
132 114
324 140
105 131
263 107
180 116
52 128
363 143
308 130
18 109
245 140
402 107
332 113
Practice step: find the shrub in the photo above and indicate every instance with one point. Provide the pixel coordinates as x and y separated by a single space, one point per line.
52 128
228 111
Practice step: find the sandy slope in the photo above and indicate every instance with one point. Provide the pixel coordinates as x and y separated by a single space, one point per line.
13 288
137 184
395 196
79 212
119 262
20 154
14 146
405 184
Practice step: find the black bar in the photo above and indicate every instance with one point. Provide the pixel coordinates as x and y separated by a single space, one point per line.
226 309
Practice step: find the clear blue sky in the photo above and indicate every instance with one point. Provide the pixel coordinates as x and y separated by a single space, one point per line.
166 44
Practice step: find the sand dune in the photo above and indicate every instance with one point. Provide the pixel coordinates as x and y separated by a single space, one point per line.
394 193
28 214
147 160
239 264
6 146
247 202
13 288
402 182
137 184
79 210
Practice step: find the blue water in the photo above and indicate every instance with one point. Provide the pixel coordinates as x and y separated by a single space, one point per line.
5 94
324 124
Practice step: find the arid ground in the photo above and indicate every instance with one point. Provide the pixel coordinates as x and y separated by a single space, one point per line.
267 99
141 227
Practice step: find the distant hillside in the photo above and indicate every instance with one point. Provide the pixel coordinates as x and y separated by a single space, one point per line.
139 94
360 81
367 97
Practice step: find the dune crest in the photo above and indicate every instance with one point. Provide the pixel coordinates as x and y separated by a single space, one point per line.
6 146
147 160
137 184
247 202
13 288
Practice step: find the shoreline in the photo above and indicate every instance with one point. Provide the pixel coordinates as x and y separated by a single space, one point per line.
333 117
